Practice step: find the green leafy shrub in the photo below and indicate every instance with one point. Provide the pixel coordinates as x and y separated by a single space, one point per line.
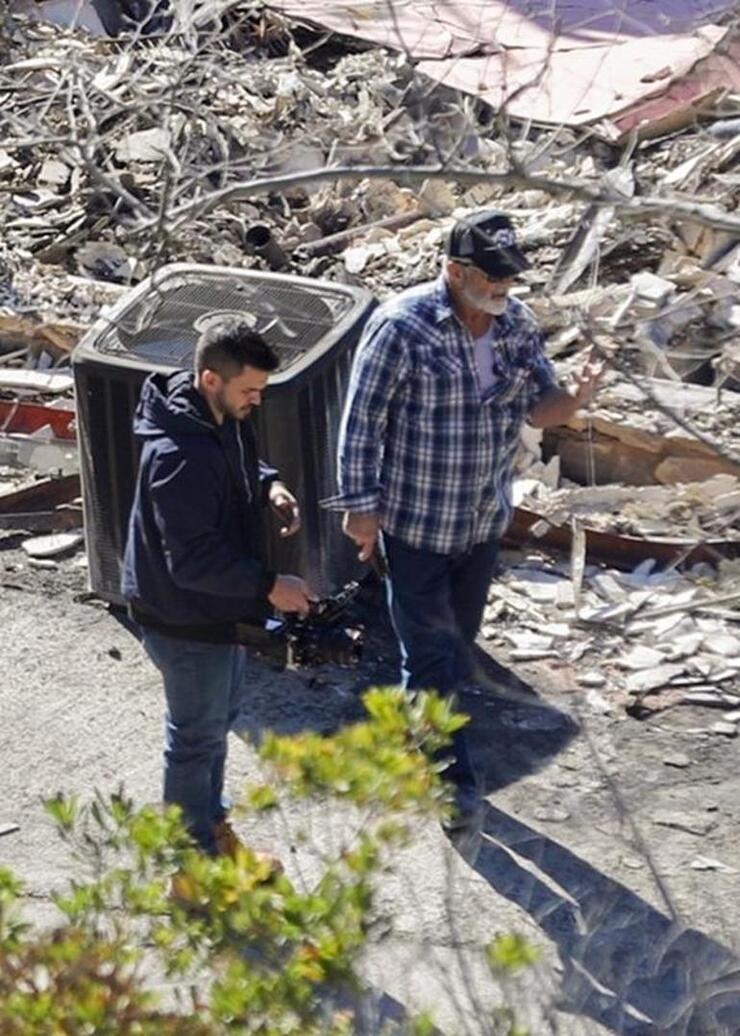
242 949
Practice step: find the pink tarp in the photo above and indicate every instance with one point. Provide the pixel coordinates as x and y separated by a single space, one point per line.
555 61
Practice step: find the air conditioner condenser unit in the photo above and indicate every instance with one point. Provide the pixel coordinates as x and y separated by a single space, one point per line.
313 326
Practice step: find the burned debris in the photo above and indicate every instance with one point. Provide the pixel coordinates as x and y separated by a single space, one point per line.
118 157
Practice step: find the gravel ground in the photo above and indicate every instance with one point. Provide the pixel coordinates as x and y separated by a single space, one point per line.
610 843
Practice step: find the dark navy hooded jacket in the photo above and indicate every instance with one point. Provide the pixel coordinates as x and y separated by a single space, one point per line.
195 553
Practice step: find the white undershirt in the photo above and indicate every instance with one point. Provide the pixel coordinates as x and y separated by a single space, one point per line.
484 359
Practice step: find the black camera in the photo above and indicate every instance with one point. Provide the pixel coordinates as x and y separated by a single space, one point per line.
292 642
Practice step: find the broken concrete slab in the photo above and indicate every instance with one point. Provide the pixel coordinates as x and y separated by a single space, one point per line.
651 679
36 382
53 546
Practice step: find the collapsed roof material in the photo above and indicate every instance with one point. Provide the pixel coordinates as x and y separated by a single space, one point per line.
577 62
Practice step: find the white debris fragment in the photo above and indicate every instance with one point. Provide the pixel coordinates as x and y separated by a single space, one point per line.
608 587
708 863
357 257
703 696
531 654
537 585
51 546
641 657
685 646
650 679
599 703
720 643
634 863
150 145
608 614
578 650
651 288
591 679
523 640
557 629
678 759
724 728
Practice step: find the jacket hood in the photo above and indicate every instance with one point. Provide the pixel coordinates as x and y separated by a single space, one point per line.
171 405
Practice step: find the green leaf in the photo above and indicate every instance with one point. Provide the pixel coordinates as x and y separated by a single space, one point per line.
261 797
510 952
63 810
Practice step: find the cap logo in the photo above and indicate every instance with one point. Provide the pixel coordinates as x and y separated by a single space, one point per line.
502 238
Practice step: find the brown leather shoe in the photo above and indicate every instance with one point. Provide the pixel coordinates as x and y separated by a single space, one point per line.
227 840
228 843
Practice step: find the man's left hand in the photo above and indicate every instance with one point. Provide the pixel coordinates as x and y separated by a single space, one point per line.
285 506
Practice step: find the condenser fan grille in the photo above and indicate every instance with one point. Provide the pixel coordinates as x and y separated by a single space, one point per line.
164 326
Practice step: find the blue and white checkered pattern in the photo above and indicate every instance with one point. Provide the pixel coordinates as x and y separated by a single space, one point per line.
419 444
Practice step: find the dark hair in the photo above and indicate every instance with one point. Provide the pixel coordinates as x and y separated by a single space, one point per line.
228 345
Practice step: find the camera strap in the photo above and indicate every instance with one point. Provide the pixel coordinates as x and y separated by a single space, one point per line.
204 633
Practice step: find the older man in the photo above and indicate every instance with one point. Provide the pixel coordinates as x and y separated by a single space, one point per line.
443 380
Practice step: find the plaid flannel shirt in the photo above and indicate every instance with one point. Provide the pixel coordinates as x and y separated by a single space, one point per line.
420 445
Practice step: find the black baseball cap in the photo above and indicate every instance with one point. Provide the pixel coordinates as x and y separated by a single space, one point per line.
487 240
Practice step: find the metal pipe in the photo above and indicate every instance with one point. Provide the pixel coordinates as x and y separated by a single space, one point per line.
259 241
326 244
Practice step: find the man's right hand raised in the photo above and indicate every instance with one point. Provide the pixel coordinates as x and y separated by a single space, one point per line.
292 594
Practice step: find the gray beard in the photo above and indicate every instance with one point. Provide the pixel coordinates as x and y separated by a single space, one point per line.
494 308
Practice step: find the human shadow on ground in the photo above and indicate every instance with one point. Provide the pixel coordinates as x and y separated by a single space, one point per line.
627 966
513 733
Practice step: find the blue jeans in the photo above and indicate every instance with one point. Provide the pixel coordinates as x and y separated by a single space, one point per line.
436 603
202 686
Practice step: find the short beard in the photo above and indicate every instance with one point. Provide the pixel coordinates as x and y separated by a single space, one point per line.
228 411
493 307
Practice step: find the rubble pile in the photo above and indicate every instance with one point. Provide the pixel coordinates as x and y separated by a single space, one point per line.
661 638
691 510
645 410
98 141
108 151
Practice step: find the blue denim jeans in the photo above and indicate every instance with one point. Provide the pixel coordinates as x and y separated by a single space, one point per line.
202 686
436 603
